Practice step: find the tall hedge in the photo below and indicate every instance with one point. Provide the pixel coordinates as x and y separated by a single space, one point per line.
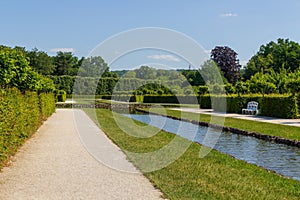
20 116
47 105
61 95
205 102
171 99
234 103
280 106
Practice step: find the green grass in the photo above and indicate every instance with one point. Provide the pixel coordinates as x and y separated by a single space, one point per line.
216 176
284 131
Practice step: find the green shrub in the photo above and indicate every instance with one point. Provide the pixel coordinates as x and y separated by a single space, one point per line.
202 89
20 117
47 104
171 99
229 88
61 96
124 98
137 98
205 102
281 106
234 103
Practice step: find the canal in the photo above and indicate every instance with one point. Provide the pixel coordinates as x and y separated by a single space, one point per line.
281 158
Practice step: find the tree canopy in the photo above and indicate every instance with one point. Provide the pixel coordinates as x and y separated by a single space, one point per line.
93 67
226 59
283 54
41 62
16 72
66 64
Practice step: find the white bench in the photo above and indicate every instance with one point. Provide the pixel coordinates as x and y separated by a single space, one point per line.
252 108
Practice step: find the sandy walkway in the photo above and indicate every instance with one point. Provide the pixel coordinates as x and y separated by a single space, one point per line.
289 122
55 165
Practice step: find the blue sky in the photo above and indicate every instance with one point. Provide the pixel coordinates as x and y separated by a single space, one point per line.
80 25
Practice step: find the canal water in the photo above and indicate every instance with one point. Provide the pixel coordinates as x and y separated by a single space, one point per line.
281 158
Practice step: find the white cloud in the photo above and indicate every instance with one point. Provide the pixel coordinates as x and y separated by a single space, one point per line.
164 57
229 15
62 50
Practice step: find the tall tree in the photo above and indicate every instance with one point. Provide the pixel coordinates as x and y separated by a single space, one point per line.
66 64
284 54
145 72
226 59
41 62
193 77
211 73
93 67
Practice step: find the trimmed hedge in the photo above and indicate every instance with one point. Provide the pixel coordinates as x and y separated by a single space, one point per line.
20 116
172 99
234 103
47 105
205 102
110 85
125 98
61 96
280 106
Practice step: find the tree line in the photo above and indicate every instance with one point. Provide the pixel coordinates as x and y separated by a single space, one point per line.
273 69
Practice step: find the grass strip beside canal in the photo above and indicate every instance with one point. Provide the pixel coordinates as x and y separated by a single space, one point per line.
283 131
216 176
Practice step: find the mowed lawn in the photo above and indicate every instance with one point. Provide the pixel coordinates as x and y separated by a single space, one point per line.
216 176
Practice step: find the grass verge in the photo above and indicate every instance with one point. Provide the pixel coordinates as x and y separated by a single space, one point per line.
284 131
217 176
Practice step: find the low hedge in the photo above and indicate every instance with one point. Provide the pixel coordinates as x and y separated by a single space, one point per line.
125 98
61 96
20 116
172 99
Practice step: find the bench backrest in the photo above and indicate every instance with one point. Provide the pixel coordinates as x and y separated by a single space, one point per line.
252 105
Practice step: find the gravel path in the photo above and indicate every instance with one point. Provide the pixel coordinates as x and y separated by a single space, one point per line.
289 122
54 164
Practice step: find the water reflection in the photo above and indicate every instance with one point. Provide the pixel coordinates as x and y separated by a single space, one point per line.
280 158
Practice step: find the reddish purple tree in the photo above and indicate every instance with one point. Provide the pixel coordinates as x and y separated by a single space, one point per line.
226 59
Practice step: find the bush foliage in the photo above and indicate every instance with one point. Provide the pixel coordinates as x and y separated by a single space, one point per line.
279 106
20 116
25 100
61 96
16 72
47 105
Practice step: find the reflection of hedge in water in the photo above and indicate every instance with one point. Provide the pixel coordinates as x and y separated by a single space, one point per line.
20 116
